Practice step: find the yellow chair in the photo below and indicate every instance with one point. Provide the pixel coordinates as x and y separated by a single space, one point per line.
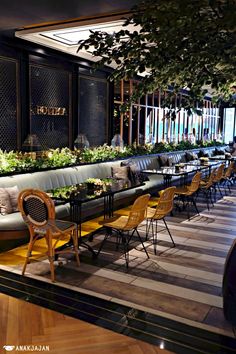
218 179
127 224
206 186
187 193
227 178
163 208
38 211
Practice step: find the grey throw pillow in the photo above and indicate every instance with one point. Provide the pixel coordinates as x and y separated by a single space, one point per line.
13 194
120 172
5 203
165 161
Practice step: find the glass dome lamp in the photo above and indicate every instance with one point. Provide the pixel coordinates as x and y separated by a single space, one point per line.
117 142
81 142
31 143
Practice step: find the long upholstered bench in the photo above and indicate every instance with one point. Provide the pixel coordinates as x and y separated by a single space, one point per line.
12 225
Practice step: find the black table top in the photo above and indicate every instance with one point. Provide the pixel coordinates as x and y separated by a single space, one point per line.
85 192
171 171
223 158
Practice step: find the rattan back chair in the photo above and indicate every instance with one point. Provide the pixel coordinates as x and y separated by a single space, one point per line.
206 187
193 187
126 225
217 180
187 194
227 178
38 212
163 208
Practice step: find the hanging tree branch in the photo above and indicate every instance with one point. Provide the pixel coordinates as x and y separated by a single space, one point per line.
182 43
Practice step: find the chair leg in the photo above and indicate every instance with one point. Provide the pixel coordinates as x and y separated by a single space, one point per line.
147 228
155 238
211 198
195 205
126 249
207 201
29 251
140 239
30 246
229 186
167 228
108 233
50 255
75 244
154 235
218 185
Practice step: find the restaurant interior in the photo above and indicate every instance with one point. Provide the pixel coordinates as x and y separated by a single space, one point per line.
117 229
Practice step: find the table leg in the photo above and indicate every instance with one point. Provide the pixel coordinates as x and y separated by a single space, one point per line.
76 216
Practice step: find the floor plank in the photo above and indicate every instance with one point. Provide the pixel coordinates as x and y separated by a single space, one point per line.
26 324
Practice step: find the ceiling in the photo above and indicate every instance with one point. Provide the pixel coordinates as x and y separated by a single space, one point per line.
66 36
16 14
34 20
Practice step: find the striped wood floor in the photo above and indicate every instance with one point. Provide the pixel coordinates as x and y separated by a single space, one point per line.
181 283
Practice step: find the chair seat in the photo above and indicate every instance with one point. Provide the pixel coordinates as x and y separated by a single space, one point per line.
60 224
118 224
152 214
153 202
63 225
182 191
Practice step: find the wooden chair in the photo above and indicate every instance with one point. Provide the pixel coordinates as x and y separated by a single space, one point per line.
163 208
38 211
127 224
187 194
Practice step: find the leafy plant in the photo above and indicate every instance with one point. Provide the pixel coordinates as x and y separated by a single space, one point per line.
11 162
59 158
8 161
175 44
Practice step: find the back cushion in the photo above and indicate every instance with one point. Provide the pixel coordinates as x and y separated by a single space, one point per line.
190 156
5 203
134 173
120 172
13 193
202 154
164 161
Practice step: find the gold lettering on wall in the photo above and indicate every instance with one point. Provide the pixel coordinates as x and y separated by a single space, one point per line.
49 111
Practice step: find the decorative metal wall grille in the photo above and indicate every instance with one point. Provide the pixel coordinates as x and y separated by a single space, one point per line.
8 105
93 110
50 97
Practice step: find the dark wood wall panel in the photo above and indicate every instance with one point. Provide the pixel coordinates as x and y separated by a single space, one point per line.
50 105
8 104
93 109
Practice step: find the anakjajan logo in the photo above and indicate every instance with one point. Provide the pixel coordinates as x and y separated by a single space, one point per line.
9 348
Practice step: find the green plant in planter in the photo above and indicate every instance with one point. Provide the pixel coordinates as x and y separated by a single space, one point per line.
8 161
17 162
59 158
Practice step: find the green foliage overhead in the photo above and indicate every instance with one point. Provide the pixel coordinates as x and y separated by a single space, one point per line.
182 43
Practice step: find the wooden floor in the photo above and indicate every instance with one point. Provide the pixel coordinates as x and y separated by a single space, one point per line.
183 284
26 324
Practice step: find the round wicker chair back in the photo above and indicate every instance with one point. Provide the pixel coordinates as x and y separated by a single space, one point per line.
36 207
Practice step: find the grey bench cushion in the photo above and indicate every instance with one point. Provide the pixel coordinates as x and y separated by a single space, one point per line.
45 180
